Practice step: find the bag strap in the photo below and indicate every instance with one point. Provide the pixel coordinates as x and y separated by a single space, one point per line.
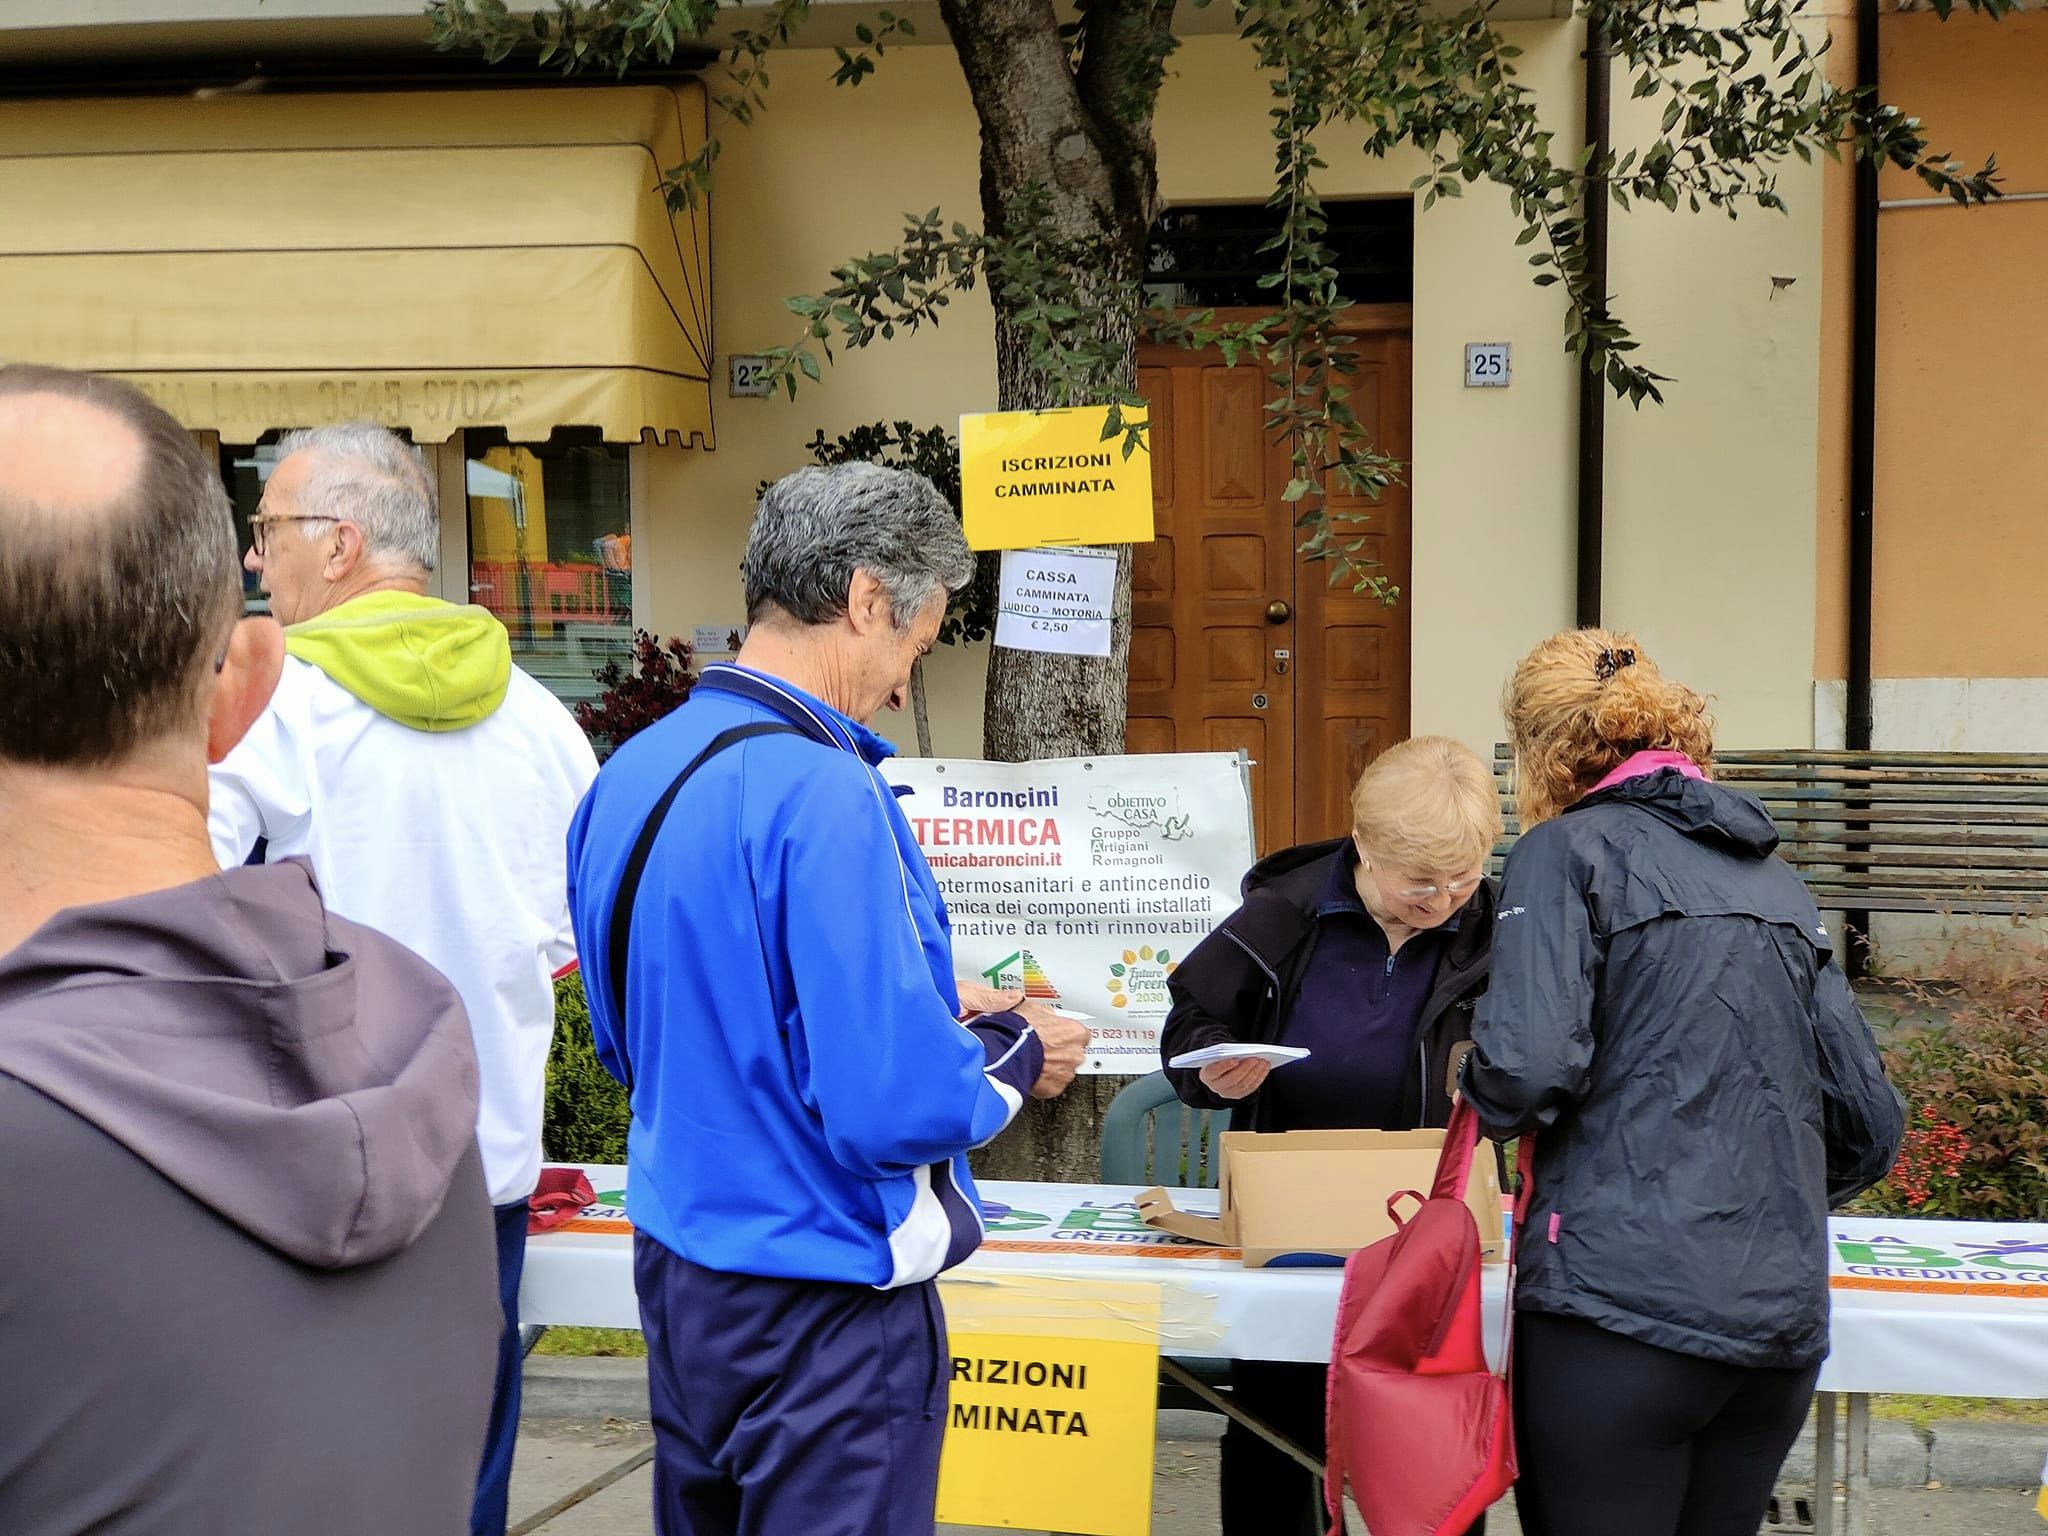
1525 1187
643 846
1454 1170
1454 1163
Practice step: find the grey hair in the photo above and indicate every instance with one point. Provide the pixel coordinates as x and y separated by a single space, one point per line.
370 476
813 529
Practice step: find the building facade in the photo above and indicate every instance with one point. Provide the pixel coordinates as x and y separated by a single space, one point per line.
481 259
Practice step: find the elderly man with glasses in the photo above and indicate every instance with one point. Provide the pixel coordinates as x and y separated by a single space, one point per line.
430 784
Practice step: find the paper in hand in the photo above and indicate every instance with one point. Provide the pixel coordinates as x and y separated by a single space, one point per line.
1273 1055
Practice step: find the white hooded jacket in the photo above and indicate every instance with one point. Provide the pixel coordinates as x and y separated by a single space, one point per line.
430 783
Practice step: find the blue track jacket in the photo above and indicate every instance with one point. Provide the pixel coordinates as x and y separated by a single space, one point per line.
803 1099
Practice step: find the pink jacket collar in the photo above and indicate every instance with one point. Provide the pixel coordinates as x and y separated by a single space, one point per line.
1644 763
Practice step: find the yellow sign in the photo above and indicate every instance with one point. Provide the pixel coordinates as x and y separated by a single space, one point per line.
1055 1396
1029 478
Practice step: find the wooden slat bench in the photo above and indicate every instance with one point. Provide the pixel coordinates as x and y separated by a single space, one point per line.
1925 832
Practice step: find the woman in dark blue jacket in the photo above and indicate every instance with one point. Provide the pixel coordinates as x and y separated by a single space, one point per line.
1368 951
1666 1015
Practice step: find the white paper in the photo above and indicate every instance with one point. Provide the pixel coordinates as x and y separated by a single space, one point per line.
1274 1055
1056 600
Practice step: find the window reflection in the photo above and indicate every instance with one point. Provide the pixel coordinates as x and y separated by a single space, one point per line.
551 552
243 469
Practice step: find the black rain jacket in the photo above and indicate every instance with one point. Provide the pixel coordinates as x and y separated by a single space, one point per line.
1239 983
1667 1016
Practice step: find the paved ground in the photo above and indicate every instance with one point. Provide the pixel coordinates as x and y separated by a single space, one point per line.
555 1459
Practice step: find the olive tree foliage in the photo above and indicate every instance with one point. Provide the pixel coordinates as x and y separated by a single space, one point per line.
1069 193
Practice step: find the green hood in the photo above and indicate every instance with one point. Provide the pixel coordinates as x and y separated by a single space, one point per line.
418 660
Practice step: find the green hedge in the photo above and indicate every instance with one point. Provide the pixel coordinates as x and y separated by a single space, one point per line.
586 1116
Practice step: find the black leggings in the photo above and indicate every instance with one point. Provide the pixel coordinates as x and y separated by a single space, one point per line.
1621 1438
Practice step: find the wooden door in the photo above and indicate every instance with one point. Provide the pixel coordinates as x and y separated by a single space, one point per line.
1221 593
1202 678
1352 657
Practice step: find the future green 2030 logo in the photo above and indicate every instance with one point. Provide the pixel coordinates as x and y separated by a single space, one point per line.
1138 978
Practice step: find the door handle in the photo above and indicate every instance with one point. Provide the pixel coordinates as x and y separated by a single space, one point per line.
1278 612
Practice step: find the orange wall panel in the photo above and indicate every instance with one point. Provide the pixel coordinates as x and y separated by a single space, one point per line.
1962 444
1962 396
1980 86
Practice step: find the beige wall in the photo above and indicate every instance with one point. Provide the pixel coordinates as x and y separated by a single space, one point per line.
1831 487
1711 530
824 176
1710 498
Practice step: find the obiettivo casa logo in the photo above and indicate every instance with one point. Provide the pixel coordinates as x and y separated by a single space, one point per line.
1138 978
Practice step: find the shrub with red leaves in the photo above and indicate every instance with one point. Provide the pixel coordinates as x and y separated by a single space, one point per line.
1931 1158
659 681
1975 1068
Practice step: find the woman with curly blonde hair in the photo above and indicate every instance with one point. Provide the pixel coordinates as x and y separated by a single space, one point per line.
1667 1017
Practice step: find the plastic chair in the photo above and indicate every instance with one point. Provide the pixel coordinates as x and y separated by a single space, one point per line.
1150 1137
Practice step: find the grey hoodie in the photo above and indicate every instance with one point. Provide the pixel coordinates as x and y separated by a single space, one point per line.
247 1279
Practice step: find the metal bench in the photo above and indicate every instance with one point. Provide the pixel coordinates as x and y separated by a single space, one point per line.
1911 832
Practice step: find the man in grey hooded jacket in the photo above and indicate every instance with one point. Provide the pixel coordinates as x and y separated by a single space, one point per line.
246 1283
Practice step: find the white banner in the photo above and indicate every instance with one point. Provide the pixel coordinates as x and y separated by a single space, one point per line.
1086 879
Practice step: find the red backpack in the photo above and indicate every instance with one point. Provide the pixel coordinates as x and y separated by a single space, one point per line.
1419 1426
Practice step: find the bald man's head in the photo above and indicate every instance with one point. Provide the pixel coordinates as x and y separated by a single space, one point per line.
117 569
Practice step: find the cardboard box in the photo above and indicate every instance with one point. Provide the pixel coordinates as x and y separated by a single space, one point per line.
1303 1197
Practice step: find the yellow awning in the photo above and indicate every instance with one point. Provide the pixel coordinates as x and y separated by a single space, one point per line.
431 260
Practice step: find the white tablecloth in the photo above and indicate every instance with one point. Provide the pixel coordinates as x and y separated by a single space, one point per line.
1934 1307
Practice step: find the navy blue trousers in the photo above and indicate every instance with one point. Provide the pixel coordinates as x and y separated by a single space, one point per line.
494 1481
790 1407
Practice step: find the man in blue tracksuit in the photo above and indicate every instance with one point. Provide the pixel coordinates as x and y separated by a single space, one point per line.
803 1095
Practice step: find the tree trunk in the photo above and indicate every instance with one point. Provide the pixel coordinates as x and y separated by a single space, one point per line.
1081 134
920 708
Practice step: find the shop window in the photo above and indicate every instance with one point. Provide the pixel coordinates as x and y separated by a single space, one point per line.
1211 257
243 469
551 552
